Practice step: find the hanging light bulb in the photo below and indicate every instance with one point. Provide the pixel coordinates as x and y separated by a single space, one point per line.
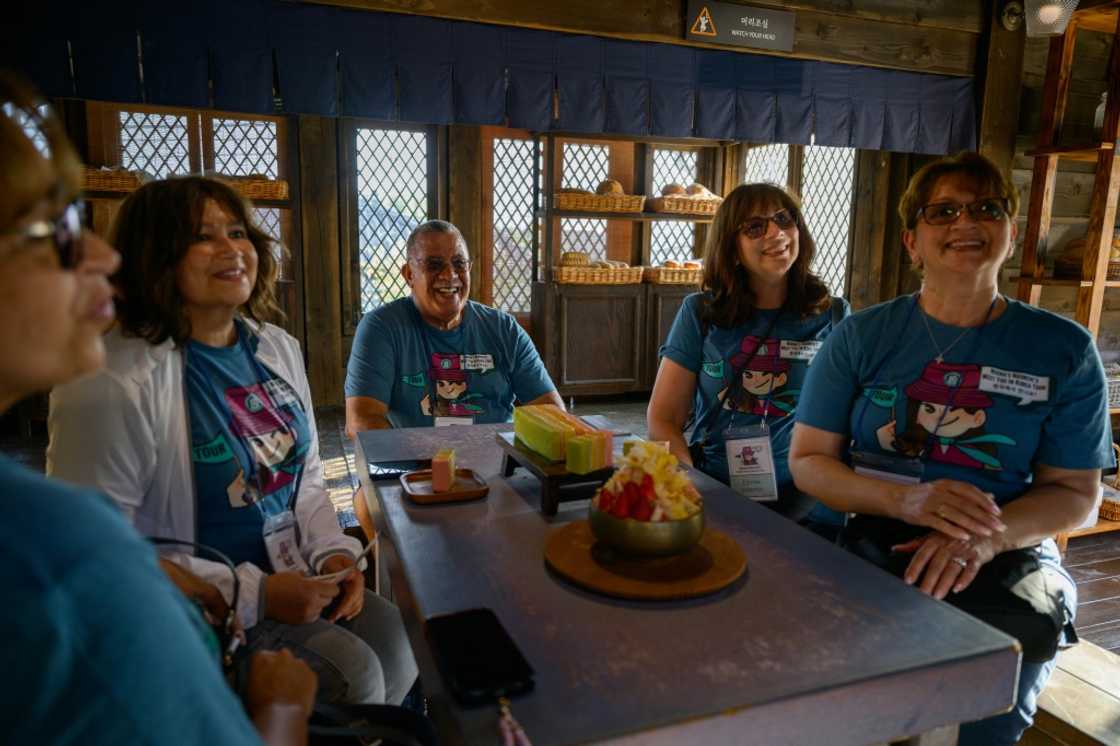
1049 13
1048 17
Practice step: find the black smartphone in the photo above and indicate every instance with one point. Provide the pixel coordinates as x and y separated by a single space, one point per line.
477 657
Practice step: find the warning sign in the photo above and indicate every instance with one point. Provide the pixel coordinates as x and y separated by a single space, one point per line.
716 22
704 25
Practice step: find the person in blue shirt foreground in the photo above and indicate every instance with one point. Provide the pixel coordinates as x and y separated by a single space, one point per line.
99 646
436 357
738 352
963 429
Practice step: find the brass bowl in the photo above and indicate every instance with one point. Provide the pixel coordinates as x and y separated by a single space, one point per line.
646 538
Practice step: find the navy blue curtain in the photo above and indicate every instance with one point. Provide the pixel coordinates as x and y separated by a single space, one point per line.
331 61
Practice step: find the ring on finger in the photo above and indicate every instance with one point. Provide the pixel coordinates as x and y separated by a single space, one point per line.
941 511
961 561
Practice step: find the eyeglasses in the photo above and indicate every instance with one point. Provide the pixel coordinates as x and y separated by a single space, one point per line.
65 231
946 213
756 227
435 265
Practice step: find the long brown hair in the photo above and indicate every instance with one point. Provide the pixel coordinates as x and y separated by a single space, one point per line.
153 230
732 301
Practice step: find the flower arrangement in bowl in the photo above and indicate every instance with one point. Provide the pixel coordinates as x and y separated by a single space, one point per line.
648 507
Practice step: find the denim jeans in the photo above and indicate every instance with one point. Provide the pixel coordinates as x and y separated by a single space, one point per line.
366 660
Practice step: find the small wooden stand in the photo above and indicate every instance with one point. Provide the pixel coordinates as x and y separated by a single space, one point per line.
468 486
553 474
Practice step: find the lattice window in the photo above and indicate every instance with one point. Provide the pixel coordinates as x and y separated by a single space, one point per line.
243 147
392 171
768 163
513 224
583 167
826 186
268 220
157 144
672 240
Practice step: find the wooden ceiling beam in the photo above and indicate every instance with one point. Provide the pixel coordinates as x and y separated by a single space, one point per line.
940 36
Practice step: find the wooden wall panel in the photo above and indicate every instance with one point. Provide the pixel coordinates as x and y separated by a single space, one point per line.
318 148
938 36
999 109
465 199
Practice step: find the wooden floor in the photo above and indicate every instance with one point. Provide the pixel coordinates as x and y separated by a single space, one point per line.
1094 562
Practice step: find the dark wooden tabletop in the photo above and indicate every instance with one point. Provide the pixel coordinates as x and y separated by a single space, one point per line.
812 645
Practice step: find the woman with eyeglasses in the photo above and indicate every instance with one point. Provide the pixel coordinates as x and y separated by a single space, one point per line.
738 351
99 648
963 428
201 428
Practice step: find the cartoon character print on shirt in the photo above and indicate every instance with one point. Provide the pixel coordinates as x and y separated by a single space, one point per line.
960 438
265 426
451 380
764 379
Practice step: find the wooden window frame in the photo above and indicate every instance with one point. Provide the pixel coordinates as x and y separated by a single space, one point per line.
437 157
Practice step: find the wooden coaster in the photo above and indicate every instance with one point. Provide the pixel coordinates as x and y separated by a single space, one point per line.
468 486
714 563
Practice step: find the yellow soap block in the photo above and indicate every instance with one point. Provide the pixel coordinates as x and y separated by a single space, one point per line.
443 470
545 428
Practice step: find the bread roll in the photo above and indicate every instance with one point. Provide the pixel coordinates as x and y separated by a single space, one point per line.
693 265
610 186
670 190
670 264
574 259
698 190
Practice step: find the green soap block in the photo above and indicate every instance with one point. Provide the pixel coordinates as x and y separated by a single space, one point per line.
539 436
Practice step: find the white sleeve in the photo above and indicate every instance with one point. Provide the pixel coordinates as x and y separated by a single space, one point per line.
100 438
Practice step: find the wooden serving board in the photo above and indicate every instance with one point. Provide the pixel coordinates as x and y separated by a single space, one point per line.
468 486
713 564
552 474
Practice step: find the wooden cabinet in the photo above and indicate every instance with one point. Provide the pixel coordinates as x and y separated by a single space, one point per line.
662 304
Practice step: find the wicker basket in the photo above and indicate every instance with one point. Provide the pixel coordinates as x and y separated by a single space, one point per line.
1112 374
598 202
115 180
597 275
260 188
672 276
684 205
1070 269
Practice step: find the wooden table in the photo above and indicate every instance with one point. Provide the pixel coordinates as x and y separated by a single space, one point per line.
811 646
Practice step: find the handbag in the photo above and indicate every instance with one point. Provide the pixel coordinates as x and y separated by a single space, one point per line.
1013 592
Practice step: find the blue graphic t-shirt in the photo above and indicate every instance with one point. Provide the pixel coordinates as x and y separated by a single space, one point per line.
477 370
1025 389
76 641
249 436
771 381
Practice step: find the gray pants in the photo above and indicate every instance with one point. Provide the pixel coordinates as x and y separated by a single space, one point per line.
366 660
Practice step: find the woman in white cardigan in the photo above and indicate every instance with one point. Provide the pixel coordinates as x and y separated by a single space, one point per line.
201 428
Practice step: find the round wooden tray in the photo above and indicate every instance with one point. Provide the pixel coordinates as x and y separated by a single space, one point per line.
710 566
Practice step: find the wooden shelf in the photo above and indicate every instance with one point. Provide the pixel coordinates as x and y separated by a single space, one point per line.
1103 526
1098 17
644 217
1064 282
1087 152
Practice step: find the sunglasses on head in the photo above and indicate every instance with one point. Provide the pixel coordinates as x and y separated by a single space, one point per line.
435 265
65 231
989 210
756 226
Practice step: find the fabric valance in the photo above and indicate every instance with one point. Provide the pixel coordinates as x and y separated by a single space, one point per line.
264 56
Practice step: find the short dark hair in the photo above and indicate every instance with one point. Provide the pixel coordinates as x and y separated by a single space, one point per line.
972 167
732 300
153 230
434 226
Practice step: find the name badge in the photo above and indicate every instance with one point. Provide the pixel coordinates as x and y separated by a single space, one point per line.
280 541
450 421
750 462
888 468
